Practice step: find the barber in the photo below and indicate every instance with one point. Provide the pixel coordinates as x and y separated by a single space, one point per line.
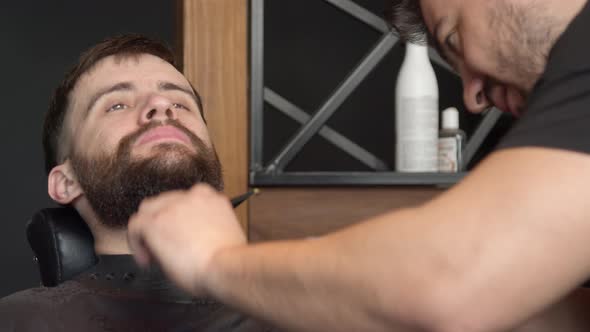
506 249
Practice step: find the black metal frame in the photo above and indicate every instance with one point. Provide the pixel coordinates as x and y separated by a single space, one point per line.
273 174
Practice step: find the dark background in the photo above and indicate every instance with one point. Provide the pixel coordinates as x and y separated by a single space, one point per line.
40 41
310 48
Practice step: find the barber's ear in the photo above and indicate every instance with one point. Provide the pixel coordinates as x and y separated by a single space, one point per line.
62 184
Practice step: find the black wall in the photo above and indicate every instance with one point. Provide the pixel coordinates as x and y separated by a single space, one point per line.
39 41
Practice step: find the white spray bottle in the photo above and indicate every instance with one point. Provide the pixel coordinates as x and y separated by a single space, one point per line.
416 105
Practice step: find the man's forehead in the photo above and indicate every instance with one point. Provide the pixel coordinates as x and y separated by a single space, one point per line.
114 69
135 66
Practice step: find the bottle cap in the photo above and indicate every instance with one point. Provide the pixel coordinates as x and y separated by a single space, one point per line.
450 118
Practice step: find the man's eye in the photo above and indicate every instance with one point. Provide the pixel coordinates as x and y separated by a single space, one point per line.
452 42
117 107
177 105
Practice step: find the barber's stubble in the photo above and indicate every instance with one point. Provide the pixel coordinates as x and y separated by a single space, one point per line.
115 184
523 36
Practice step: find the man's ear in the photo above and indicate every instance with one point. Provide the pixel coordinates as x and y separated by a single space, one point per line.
62 184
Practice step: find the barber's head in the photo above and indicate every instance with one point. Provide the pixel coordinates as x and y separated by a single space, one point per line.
123 125
498 47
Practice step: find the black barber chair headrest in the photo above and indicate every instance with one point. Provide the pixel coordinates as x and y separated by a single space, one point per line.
63 244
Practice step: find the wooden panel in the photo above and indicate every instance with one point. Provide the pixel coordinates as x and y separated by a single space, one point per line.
215 61
282 213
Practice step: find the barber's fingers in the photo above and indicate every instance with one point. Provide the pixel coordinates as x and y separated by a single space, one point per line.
137 243
144 236
138 229
155 203
142 226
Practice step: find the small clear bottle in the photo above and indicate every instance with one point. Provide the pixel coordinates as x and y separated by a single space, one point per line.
451 142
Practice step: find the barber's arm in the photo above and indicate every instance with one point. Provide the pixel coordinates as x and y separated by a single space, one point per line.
493 253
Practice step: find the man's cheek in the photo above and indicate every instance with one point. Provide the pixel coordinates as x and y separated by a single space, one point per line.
203 135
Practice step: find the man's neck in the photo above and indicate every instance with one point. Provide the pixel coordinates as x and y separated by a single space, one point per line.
111 242
107 241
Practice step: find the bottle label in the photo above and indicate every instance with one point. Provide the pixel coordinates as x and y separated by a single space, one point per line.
448 154
417 135
419 117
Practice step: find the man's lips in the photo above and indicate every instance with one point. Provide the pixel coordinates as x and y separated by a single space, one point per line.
163 133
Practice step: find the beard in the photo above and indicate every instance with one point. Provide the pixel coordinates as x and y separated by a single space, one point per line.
116 184
524 35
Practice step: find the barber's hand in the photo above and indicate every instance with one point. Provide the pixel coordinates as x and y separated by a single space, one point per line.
182 231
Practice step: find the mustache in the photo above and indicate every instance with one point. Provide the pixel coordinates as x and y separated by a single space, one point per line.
128 140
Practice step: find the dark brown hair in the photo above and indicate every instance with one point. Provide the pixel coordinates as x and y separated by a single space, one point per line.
405 17
124 45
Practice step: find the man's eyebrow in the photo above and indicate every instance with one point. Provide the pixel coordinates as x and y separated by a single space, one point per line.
122 86
169 86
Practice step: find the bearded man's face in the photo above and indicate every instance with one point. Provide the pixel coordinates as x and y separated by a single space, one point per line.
136 131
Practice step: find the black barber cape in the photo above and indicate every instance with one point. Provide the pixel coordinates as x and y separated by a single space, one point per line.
116 295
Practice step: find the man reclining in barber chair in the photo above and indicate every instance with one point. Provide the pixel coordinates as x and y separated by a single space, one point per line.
123 125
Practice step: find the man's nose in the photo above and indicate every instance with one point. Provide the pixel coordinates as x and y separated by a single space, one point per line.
474 94
158 108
